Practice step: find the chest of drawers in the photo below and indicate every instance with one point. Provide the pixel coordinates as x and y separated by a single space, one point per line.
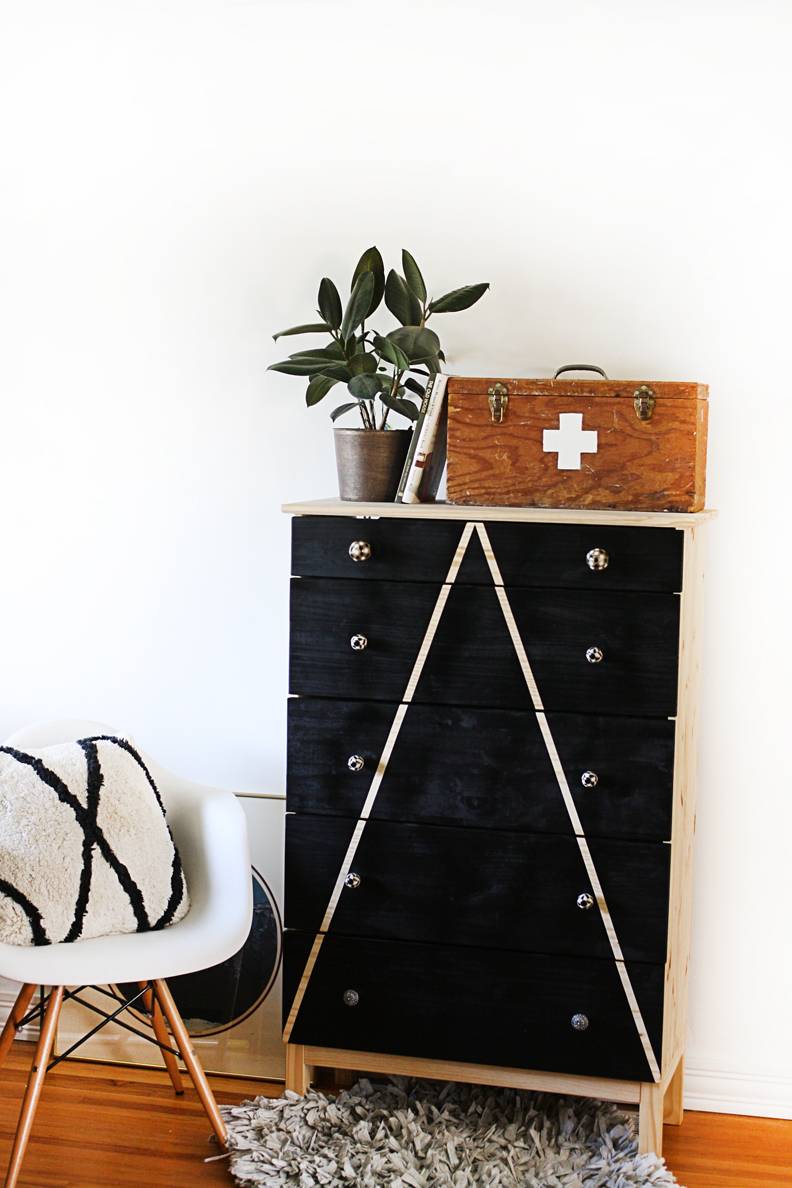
490 797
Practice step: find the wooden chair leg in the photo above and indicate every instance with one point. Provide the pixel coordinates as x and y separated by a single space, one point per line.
35 1084
12 1022
197 1074
163 1039
650 1119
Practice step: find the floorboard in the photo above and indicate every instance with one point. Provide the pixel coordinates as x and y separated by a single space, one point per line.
101 1125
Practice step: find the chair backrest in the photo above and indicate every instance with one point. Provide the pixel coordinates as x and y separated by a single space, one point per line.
172 788
60 730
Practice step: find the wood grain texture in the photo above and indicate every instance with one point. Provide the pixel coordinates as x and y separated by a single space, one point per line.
384 1064
477 1006
684 808
724 1151
35 1086
472 659
654 465
194 1067
650 1119
487 768
478 887
527 554
102 1124
366 510
299 1073
606 389
16 1014
673 1108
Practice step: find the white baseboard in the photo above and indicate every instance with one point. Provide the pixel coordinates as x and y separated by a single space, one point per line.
721 1092
711 1090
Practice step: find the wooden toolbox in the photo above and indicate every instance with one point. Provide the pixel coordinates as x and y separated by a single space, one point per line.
587 443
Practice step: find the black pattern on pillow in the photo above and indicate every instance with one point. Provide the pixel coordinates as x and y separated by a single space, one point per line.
85 849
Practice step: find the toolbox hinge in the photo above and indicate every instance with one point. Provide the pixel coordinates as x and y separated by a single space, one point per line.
498 396
644 401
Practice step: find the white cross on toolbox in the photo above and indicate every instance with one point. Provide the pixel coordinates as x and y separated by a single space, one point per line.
570 440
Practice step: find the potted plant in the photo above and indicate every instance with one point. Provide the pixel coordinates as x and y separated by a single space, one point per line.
383 373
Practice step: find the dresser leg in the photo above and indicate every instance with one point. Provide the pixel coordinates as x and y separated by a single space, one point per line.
298 1074
673 1110
650 1119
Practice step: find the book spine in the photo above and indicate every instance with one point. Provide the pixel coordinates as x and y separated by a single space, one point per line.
425 441
405 474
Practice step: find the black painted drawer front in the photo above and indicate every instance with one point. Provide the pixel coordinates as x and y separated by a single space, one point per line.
472 660
483 767
527 554
474 887
481 1006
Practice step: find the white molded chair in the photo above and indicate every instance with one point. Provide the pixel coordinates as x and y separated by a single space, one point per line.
210 832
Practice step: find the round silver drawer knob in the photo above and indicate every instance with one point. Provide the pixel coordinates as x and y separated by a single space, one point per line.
360 550
351 998
352 881
585 901
594 655
589 779
597 559
579 1022
358 643
356 762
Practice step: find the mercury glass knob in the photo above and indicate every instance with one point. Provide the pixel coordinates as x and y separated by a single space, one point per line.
352 880
360 550
585 901
579 1022
356 762
597 559
352 998
589 779
358 643
594 655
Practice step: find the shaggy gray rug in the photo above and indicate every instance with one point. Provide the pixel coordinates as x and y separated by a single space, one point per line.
423 1134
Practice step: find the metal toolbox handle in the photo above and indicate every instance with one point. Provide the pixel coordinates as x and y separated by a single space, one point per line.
580 367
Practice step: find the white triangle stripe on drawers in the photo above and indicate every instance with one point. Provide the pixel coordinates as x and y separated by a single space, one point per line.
384 759
566 795
555 761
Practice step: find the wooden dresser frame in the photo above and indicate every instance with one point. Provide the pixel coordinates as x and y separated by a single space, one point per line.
657 1102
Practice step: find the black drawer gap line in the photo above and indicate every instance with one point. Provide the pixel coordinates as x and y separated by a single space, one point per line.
476 705
381 768
569 804
513 585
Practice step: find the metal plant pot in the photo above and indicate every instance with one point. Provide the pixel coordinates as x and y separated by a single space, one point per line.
370 462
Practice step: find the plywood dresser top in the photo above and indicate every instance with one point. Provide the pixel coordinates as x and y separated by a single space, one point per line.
532 515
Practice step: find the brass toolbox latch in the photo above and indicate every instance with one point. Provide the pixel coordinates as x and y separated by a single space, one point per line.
498 397
644 402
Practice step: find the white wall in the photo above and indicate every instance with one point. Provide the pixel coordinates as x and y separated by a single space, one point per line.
176 176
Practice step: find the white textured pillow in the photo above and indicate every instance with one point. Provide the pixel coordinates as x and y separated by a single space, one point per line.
85 849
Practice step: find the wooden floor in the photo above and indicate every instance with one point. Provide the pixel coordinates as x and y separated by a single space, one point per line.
100 1125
